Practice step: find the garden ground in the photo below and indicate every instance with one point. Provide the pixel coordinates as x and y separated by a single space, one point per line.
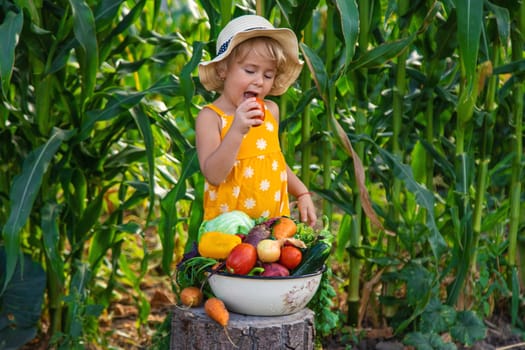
119 327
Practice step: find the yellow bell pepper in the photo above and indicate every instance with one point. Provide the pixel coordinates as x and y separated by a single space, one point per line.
217 245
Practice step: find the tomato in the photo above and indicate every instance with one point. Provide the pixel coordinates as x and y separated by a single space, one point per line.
290 257
241 259
261 107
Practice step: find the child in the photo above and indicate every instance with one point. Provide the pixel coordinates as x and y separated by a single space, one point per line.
237 142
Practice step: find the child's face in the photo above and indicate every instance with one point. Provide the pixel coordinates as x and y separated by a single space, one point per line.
250 74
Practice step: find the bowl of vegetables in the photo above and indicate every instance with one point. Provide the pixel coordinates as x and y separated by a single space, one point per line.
265 267
265 296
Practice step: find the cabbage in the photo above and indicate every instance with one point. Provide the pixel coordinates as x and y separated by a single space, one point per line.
231 222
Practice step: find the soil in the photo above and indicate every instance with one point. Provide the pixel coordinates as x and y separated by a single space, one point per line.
500 336
119 326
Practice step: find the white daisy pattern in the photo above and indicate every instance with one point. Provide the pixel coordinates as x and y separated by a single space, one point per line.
257 181
249 203
248 172
265 185
236 191
261 144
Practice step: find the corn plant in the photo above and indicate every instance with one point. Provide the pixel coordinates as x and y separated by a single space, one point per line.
83 132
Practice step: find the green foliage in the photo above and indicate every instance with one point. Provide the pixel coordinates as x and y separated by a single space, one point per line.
468 328
193 271
21 302
327 318
431 341
428 315
161 339
9 30
86 136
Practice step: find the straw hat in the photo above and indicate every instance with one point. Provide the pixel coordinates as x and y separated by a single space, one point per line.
241 29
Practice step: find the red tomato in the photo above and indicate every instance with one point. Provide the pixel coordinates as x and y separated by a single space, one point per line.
261 107
241 259
290 257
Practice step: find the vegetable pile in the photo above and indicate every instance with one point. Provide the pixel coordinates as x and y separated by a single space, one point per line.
233 243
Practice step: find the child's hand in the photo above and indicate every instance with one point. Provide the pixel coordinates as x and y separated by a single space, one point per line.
306 208
248 114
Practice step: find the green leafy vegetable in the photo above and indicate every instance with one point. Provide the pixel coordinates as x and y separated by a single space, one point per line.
231 222
192 270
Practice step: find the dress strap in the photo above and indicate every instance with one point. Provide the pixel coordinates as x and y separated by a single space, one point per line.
216 109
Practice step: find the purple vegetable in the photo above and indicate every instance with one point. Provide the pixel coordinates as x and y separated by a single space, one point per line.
275 270
188 255
257 234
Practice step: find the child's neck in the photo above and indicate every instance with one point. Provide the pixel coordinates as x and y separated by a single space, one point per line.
226 105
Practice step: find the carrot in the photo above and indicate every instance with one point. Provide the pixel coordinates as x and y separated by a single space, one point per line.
215 308
191 296
284 227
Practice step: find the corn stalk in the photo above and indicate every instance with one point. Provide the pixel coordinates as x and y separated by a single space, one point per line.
469 21
516 243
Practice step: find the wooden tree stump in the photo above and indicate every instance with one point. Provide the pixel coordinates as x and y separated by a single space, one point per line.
193 329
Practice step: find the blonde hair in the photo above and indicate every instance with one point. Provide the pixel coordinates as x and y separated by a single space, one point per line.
272 51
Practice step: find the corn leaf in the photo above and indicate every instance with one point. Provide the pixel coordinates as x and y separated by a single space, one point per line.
169 217
9 33
143 124
23 193
470 21
131 17
424 198
298 13
121 101
186 80
85 33
381 54
350 26
51 239
503 21
317 68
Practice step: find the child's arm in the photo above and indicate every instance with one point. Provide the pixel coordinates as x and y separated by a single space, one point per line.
305 203
216 156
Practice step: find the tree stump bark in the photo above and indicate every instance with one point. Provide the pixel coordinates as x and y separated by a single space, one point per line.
193 329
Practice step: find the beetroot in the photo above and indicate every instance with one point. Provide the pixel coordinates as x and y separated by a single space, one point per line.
257 234
275 270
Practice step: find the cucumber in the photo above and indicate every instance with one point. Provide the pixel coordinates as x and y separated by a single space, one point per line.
313 259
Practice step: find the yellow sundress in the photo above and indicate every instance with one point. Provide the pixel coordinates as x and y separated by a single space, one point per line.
257 183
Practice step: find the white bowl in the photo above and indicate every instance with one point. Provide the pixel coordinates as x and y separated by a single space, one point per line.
265 296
